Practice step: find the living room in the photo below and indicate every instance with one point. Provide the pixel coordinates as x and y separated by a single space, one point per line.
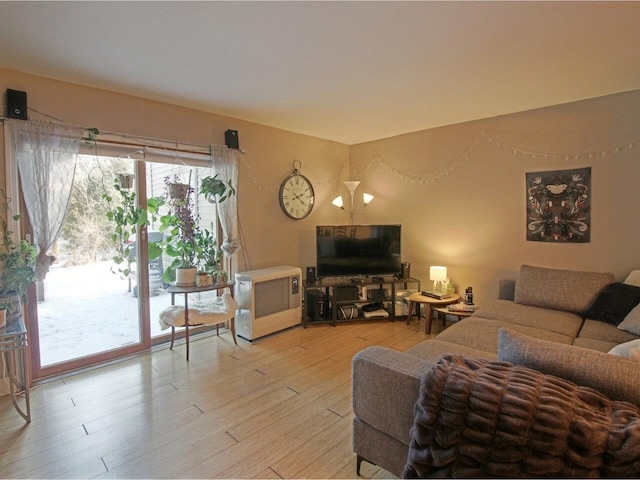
458 189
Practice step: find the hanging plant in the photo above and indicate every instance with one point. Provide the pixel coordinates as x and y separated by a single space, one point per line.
216 190
180 229
128 218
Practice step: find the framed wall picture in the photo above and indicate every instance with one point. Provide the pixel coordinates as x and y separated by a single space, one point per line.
558 206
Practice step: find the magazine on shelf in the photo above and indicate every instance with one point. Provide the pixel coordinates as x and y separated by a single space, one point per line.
462 307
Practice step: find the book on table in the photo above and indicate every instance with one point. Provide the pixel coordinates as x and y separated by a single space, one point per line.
436 295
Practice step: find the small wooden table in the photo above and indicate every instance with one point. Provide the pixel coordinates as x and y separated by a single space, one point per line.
174 289
415 299
445 311
13 348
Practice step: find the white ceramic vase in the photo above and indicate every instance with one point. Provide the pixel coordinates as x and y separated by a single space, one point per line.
185 277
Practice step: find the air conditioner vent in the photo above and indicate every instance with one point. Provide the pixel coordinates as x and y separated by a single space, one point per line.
271 296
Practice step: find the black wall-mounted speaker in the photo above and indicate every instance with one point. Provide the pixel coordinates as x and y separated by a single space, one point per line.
311 274
16 104
231 139
405 270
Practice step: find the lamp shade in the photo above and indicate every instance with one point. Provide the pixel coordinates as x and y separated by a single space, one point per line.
338 202
437 274
366 198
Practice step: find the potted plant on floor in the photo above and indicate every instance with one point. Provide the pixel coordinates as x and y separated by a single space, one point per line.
17 265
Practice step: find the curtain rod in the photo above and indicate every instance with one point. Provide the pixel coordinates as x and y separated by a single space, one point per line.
122 143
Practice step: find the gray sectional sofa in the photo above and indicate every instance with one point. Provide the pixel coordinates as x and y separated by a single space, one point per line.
538 321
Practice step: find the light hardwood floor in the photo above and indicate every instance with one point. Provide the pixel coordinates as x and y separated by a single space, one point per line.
279 407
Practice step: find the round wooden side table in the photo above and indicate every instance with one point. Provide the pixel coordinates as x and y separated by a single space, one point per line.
415 299
444 311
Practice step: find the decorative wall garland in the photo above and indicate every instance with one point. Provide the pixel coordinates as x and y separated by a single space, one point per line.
275 187
434 175
564 156
458 161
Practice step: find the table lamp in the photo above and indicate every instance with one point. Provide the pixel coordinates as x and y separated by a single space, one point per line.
438 275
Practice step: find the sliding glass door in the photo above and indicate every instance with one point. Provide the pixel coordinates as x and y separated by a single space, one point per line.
91 309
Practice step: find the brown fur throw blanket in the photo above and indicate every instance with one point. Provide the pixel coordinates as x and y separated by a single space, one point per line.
476 418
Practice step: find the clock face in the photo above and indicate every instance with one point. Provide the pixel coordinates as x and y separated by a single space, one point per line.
296 196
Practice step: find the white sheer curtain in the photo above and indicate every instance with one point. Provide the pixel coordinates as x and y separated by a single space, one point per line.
225 163
46 155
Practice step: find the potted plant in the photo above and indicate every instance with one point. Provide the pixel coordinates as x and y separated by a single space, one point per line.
17 266
210 255
180 229
216 190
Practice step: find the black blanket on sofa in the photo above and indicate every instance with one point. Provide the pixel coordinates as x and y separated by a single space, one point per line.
476 418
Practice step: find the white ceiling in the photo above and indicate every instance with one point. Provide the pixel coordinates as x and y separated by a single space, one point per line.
344 71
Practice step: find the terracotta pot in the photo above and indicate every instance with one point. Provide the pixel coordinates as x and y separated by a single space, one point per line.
203 280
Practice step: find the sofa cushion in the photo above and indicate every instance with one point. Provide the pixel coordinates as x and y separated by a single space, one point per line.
631 322
616 377
432 350
557 321
614 303
566 290
482 334
479 419
606 332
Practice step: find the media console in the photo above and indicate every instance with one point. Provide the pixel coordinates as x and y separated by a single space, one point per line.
324 299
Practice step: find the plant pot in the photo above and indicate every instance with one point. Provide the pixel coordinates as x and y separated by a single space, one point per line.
185 277
178 190
14 305
203 280
222 277
126 180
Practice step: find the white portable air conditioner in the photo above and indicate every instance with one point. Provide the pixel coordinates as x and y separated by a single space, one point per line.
268 301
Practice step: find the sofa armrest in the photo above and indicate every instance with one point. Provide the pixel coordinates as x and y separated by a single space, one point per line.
506 289
386 384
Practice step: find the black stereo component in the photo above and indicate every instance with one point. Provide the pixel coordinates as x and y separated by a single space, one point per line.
231 139
16 104
316 304
311 275
405 270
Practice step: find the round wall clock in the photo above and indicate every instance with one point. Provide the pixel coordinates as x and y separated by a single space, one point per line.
296 194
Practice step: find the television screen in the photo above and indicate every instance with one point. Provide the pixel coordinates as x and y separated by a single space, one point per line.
350 250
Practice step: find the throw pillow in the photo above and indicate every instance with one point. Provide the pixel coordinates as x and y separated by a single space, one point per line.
633 278
616 377
614 303
631 322
628 349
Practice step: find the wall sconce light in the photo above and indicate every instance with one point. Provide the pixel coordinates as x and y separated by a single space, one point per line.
437 275
351 186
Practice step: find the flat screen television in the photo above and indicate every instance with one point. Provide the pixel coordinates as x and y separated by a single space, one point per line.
352 250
